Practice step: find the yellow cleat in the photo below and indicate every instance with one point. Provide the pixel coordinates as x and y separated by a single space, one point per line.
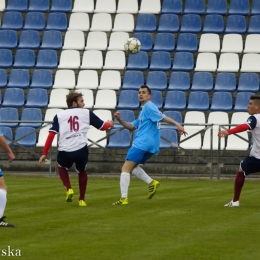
153 186
69 195
122 201
82 203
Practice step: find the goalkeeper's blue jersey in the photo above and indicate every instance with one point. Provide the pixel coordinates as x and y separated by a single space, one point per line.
147 137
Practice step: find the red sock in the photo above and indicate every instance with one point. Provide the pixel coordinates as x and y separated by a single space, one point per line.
239 182
64 176
83 179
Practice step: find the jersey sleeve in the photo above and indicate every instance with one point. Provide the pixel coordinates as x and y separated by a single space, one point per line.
55 125
251 122
153 112
95 120
135 123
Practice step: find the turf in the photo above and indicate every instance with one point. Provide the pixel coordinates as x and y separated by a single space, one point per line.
185 220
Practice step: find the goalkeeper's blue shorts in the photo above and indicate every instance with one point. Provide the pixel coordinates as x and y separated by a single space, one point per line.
138 156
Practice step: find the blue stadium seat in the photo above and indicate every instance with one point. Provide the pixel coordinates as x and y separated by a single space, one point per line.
175 100
24 58
12 21
133 80
225 81
145 23
179 80
198 101
145 39
7 132
171 136
164 42
9 113
239 7
187 42
171 7
194 7
25 136
6 59
248 82
242 100
128 99
202 81
213 23
120 139
236 24
175 115
3 80
126 115
221 101
217 7
157 98
16 5
156 80
254 24
34 21
191 23
47 59
31 114
255 7
183 61
138 61
160 60
37 97
13 97
168 23
57 21
8 39
29 40
19 78
39 6
42 78
61 6
51 40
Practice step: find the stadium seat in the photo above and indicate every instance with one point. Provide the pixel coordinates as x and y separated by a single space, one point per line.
3 80
64 79
255 8
225 81
6 59
221 101
156 80
12 21
209 42
144 38
216 7
47 59
175 100
61 6
183 61
8 39
191 23
105 99
126 115
110 79
79 21
25 136
157 98
232 43
29 40
239 7
18 78
150 7
164 42
8 134
9 113
41 78
105 6
38 6
145 23
116 41
179 80
58 98
236 24
138 61
123 22
187 42
213 23
34 21
171 139
24 58
168 23
198 101
87 79
51 40
175 115
250 62
120 139
115 60
254 24
248 82
37 97
98 41
242 100
252 43
128 99
194 7
31 114
69 59
92 59
88 97
103 114
97 136
56 21
83 6
132 80
127 7
101 22
160 60
13 97
16 5
171 7
228 62
202 81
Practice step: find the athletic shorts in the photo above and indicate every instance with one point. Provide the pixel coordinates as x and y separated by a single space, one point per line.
138 156
79 157
1 173
250 165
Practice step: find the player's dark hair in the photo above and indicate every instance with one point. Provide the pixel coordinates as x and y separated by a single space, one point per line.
149 90
73 97
256 98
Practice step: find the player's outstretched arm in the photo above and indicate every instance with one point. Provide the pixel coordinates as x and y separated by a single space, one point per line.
234 130
173 122
46 147
125 124
7 148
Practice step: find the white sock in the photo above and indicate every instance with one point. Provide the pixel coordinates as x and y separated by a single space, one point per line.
141 174
2 201
124 184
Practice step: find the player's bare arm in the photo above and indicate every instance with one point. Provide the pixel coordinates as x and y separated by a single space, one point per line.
7 148
173 122
125 124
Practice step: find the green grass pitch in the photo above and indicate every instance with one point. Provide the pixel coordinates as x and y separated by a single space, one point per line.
185 220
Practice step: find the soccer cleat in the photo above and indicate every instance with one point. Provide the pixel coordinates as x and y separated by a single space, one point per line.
122 201
69 195
82 203
232 204
153 186
3 223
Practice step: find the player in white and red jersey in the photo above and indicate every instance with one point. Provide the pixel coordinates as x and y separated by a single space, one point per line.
72 125
251 163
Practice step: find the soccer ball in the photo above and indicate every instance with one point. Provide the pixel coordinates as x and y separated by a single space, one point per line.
132 46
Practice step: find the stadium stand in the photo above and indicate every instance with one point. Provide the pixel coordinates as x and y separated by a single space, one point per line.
145 39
